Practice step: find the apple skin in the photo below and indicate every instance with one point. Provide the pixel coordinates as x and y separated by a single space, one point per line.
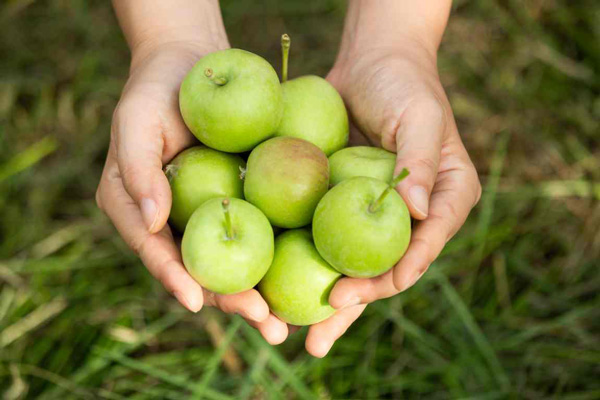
298 284
198 174
223 265
361 161
355 241
313 110
286 177
236 116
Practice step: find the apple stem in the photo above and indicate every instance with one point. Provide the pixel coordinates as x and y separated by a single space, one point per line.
285 52
399 178
228 226
219 80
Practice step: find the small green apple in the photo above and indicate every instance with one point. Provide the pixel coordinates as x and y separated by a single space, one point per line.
286 177
362 226
198 174
312 110
231 100
228 245
299 281
361 161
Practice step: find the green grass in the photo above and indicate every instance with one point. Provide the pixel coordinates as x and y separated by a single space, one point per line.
511 309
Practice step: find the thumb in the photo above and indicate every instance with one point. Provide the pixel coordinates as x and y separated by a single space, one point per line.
139 146
418 147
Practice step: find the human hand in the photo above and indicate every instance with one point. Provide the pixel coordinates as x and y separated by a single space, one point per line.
147 132
396 100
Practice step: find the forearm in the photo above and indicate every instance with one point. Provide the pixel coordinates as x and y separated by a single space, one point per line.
394 23
148 24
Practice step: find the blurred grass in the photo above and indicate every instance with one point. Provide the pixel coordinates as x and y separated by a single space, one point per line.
511 310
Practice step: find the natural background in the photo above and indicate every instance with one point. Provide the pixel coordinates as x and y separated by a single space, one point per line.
511 309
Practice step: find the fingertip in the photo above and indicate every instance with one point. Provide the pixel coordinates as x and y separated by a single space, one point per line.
274 330
318 348
277 337
191 301
258 312
257 308
405 278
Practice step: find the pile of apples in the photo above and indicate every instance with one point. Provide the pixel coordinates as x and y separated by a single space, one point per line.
229 208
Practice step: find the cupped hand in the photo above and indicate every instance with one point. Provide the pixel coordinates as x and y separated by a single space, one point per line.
396 101
147 132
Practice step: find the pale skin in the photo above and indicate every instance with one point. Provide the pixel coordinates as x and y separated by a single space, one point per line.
386 72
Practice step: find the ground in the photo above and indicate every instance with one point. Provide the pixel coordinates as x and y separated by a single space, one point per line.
509 311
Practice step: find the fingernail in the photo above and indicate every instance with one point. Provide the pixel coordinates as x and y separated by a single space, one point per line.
149 212
185 302
419 198
353 301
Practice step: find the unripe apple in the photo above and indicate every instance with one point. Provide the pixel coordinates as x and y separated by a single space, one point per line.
231 100
313 110
286 177
362 227
228 245
361 161
199 174
299 281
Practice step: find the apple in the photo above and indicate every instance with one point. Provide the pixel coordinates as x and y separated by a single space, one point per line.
361 161
312 110
286 177
299 281
231 100
362 226
228 245
198 174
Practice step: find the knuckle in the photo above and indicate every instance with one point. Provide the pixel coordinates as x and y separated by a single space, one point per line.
129 174
433 106
139 245
427 165
165 274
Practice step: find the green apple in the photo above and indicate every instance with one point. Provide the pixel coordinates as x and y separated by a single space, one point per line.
312 110
298 284
198 174
228 245
362 226
361 161
286 177
231 100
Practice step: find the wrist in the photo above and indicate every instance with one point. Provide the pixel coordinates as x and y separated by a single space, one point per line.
195 47
152 25
391 26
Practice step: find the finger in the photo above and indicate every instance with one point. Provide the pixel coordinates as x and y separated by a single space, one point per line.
349 292
418 147
272 329
248 304
139 147
157 251
323 335
455 194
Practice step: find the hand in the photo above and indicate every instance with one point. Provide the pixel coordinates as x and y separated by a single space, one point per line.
147 132
395 99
